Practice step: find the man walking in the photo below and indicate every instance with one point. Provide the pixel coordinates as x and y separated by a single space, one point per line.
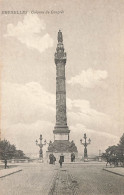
5 162
60 162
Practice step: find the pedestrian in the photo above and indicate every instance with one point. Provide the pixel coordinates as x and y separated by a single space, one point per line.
54 160
60 162
5 161
51 158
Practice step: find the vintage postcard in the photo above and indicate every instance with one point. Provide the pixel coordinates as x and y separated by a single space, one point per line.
62 97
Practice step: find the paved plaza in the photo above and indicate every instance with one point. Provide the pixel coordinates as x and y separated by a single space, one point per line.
92 179
71 179
33 179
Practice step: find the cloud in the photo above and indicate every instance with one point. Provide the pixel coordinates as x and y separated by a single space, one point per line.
30 102
89 78
28 111
81 112
31 32
26 103
29 133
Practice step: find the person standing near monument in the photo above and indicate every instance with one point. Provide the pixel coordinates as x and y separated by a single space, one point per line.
54 159
60 162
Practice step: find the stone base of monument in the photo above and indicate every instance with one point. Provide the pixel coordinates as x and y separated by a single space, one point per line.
66 156
64 149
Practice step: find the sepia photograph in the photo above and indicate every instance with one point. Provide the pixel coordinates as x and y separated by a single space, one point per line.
62 97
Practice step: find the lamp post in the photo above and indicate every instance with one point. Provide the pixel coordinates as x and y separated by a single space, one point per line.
41 146
85 144
100 156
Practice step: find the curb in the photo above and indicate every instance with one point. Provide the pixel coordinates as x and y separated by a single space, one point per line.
114 172
11 173
83 162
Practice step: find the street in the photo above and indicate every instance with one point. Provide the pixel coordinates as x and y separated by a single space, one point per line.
81 179
33 179
93 180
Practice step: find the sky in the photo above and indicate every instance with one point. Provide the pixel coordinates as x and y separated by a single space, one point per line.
94 43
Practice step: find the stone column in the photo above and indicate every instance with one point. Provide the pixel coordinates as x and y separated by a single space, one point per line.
60 61
61 118
61 146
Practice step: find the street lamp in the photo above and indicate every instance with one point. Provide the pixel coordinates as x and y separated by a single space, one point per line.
85 144
41 146
100 156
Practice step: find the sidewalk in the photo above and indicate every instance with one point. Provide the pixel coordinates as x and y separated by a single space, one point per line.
37 178
115 170
9 171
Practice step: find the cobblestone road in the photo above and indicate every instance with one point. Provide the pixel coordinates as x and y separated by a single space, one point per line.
72 179
92 180
34 179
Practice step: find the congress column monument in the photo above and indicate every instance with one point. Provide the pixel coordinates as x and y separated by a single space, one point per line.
61 144
61 130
